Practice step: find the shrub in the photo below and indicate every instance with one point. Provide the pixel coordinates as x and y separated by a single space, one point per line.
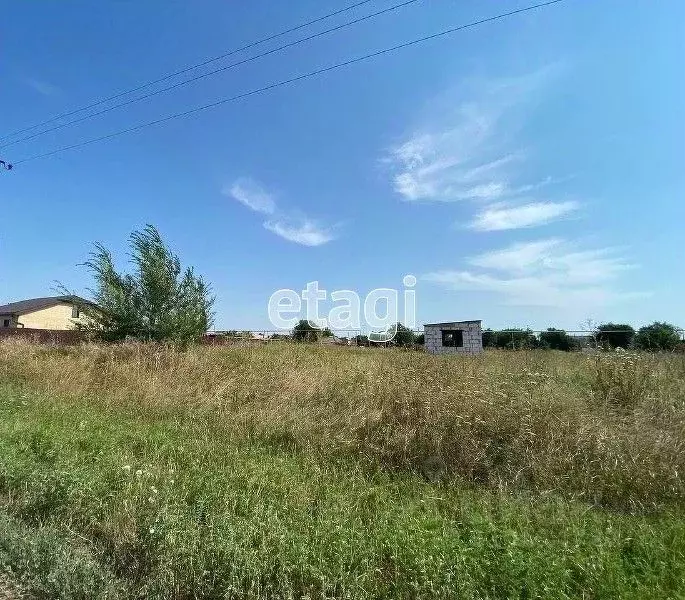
516 339
489 338
615 335
304 331
657 336
557 339
362 340
403 336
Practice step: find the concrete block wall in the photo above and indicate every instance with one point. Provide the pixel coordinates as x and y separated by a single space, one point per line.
472 334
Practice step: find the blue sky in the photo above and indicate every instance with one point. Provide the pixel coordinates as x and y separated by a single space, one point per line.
529 172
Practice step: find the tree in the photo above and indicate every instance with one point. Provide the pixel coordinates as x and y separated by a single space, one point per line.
489 338
403 336
516 339
615 335
657 336
304 331
157 302
557 339
362 340
420 339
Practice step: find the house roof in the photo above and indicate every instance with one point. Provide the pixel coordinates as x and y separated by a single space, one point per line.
33 304
452 323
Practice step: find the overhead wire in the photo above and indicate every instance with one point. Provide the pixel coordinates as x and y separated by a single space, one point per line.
292 80
189 68
210 73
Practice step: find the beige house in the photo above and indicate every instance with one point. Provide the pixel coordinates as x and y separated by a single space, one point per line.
58 313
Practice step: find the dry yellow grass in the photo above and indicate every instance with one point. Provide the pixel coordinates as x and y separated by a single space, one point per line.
608 429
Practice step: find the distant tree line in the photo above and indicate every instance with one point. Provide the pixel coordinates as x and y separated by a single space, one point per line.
655 337
658 336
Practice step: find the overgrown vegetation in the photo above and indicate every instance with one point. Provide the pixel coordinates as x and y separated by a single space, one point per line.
656 337
615 335
159 301
300 471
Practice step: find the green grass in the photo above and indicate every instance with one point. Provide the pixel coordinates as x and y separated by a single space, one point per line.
105 496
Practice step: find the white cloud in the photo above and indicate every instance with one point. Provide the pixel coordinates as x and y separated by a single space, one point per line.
305 233
477 153
517 257
450 165
548 272
467 153
251 194
498 217
291 225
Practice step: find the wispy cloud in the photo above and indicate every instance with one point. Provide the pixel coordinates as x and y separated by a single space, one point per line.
42 87
477 152
251 194
289 225
305 233
468 152
551 272
501 216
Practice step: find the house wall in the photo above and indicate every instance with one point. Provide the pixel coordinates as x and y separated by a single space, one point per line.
56 318
473 338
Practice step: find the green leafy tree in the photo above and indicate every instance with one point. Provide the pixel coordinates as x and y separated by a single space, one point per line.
615 335
304 331
557 339
362 340
489 338
516 339
158 301
657 336
403 336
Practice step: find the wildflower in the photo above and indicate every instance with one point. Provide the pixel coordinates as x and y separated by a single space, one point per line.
152 529
139 473
126 468
153 489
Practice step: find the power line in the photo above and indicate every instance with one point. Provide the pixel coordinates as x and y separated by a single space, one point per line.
293 79
219 70
190 68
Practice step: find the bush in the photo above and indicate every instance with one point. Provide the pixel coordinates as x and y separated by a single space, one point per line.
404 336
516 339
489 338
304 331
557 339
658 336
362 340
615 335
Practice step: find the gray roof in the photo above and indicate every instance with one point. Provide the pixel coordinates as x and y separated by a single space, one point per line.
28 306
452 323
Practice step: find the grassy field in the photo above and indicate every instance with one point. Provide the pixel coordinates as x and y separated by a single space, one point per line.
297 471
